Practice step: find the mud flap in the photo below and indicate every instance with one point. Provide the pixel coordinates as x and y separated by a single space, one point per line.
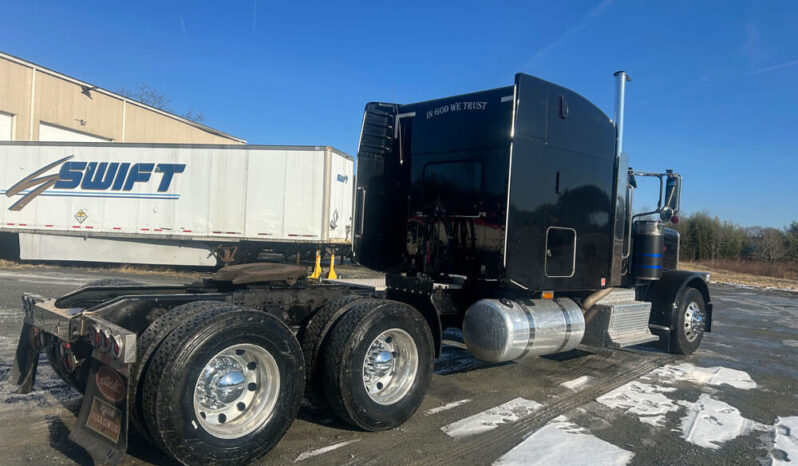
103 423
26 360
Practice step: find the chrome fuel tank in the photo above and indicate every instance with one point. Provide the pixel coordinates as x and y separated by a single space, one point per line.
498 330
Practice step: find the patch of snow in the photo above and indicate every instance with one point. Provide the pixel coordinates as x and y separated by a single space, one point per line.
562 442
709 422
321 451
785 444
717 375
447 406
512 411
576 383
641 399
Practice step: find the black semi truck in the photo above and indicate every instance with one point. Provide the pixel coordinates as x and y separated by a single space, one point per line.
506 213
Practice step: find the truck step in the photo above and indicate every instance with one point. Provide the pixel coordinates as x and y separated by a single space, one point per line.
618 321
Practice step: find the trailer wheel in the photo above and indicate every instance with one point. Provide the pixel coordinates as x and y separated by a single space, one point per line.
689 330
312 339
148 342
378 364
223 386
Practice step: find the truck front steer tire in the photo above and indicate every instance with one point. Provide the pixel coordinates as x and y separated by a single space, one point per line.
378 364
223 386
688 331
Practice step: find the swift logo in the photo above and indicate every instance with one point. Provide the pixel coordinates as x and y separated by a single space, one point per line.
95 179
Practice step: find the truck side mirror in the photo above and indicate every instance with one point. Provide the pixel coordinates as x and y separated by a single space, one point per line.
673 189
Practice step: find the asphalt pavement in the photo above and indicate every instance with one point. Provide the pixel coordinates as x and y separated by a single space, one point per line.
733 402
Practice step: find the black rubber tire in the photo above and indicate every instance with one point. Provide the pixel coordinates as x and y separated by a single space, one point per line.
679 343
345 351
148 342
78 378
175 366
312 338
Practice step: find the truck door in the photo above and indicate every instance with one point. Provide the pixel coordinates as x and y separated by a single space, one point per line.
380 197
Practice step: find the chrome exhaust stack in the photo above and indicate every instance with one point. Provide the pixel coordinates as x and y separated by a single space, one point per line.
620 96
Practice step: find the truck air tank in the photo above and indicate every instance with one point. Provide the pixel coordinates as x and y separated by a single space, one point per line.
498 330
649 244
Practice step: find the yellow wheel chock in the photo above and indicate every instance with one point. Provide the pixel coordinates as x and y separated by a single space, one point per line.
317 268
331 275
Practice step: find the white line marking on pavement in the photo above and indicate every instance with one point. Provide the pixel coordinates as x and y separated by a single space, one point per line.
710 422
509 412
562 442
321 451
451 405
576 383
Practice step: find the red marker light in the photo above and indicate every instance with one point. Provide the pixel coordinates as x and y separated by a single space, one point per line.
675 219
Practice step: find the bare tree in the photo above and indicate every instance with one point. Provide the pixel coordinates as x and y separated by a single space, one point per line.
148 95
771 247
197 116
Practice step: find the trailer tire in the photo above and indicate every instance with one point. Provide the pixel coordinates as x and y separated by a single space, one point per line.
260 389
312 339
378 364
148 342
688 331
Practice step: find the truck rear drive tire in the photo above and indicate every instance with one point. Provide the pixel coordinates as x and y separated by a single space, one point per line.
223 386
312 339
148 342
378 364
689 322
71 361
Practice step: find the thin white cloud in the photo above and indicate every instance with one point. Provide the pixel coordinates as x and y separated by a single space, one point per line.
254 15
768 69
575 29
752 45
183 27
706 81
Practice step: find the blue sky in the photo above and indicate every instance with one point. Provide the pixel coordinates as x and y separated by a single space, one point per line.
714 91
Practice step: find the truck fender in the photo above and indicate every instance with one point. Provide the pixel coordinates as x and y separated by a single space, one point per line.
664 293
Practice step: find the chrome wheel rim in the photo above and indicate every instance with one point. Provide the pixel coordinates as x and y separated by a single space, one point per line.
390 366
236 391
693 321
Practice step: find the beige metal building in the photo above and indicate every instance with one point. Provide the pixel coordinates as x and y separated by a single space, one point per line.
38 104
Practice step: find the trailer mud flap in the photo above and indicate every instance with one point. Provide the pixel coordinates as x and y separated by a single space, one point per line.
26 360
103 422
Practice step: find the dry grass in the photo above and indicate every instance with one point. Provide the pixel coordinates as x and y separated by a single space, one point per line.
738 276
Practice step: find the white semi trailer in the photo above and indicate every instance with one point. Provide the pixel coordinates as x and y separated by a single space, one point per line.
172 203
